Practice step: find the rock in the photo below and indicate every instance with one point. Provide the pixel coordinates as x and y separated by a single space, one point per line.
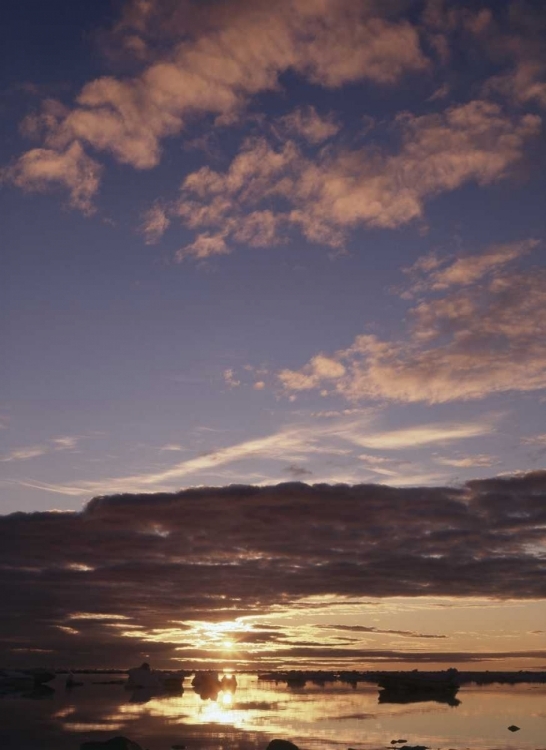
116 743
281 745
513 728
416 747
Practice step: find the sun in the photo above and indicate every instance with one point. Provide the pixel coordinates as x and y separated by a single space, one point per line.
228 645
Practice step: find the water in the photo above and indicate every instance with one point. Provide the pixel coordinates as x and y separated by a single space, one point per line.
314 717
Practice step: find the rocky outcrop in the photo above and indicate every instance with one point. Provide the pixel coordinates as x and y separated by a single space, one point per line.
116 743
281 745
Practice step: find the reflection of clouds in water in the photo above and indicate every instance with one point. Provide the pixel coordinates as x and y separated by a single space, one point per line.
81 726
314 717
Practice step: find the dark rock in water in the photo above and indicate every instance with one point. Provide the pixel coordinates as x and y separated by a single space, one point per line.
41 676
281 745
116 743
396 742
416 747
513 728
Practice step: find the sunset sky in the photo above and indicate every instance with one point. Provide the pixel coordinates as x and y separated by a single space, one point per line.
252 243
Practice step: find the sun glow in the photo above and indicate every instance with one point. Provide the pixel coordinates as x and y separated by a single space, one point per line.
219 635
225 697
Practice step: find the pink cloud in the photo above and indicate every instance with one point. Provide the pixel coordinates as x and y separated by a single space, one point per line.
240 50
431 272
341 189
487 337
40 169
307 123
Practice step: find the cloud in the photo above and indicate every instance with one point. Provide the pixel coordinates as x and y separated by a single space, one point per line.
40 169
468 461
230 379
67 442
154 224
209 63
294 446
365 629
485 334
441 93
525 84
319 369
269 547
535 440
297 472
423 435
172 447
516 42
21 454
433 273
340 189
307 123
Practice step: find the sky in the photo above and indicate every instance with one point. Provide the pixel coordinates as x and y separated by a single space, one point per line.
274 339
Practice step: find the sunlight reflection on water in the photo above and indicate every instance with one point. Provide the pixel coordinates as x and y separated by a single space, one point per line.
316 717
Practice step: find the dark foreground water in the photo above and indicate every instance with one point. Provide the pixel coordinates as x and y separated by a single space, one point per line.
314 717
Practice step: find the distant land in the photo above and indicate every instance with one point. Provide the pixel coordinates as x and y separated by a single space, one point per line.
299 678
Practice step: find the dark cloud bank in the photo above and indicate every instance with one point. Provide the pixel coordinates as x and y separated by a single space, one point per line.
213 554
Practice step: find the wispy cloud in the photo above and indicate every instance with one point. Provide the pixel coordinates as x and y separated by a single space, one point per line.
33 451
294 447
468 461
371 629
539 440
423 435
21 454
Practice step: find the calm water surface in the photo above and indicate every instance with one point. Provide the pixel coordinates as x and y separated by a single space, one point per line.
314 717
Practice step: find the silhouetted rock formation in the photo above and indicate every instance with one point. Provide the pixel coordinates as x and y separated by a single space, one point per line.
27 681
416 687
207 684
281 745
145 677
116 743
